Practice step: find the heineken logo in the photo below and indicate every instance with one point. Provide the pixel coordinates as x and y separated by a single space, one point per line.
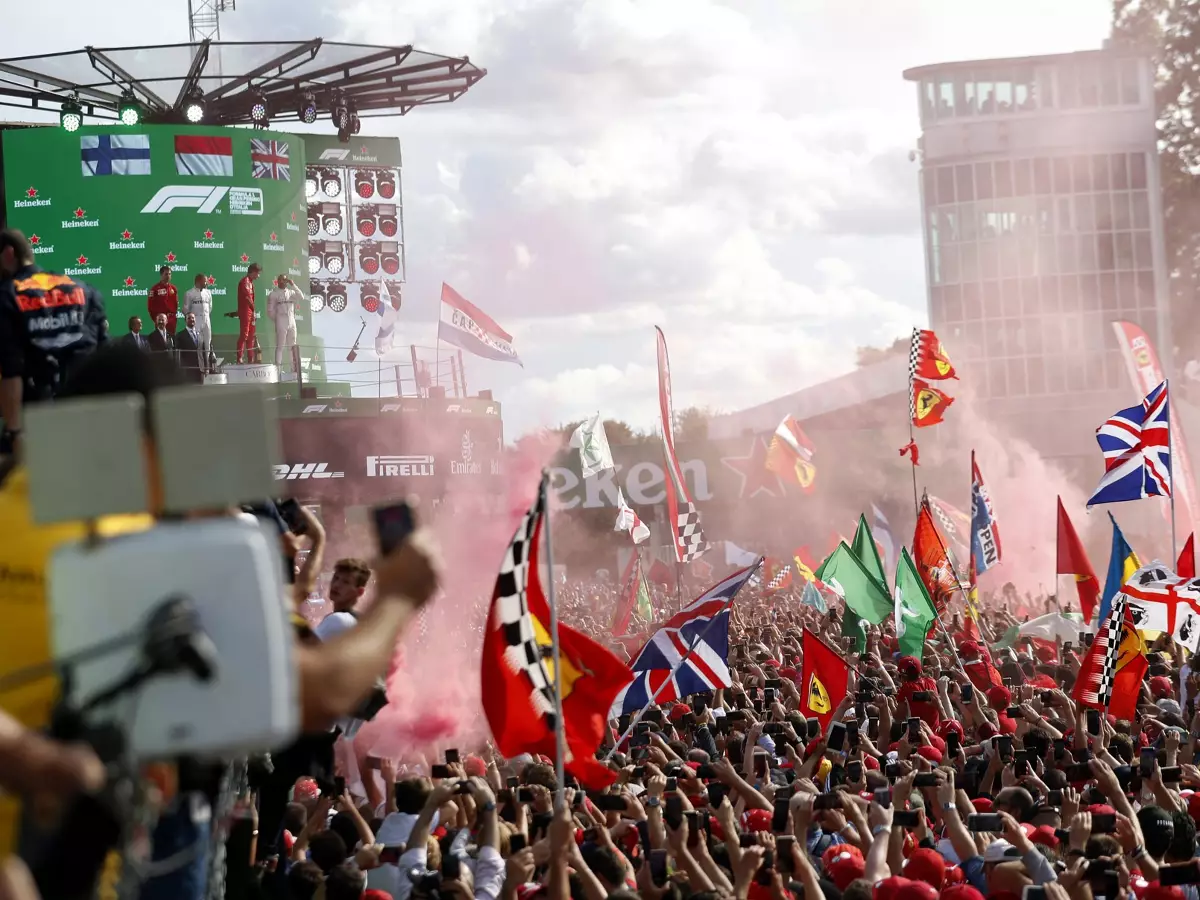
126 245
209 245
80 223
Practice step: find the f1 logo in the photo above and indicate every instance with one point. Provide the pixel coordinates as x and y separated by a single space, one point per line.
185 196
336 153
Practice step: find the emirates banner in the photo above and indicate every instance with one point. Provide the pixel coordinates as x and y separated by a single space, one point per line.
1146 373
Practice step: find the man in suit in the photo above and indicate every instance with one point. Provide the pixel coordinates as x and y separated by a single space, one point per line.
161 340
190 345
135 336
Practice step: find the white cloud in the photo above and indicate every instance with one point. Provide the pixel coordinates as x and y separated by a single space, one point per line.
733 170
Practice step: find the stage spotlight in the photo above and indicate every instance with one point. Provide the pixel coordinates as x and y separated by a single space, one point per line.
336 298
389 221
311 187
389 258
332 223
130 110
70 115
331 183
347 121
308 108
395 292
364 220
259 108
369 297
335 257
314 222
364 183
193 106
316 296
368 257
386 181
316 256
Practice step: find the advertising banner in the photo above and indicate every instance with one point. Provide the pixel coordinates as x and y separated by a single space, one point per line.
371 407
111 205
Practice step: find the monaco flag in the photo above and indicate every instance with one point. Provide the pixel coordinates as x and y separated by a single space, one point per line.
197 154
469 328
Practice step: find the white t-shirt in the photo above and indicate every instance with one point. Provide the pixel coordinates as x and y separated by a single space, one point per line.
334 624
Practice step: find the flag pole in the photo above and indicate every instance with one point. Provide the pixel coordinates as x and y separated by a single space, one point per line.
670 678
560 734
912 440
1171 475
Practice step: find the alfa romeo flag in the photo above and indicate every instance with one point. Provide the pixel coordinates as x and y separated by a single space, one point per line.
689 540
823 679
469 328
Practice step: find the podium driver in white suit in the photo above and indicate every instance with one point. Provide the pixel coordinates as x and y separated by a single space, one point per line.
281 306
198 301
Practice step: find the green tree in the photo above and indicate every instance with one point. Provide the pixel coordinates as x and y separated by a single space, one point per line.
1168 31
691 424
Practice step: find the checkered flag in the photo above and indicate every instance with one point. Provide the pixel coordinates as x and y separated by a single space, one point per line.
510 604
782 575
914 354
689 535
1098 677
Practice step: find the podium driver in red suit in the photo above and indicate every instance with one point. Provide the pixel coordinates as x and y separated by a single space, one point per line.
164 299
247 336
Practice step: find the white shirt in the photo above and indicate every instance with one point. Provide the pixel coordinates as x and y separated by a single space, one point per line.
198 302
281 302
334 624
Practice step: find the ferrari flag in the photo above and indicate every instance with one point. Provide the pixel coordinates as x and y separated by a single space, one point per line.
927 357
823 679
927 405
790 455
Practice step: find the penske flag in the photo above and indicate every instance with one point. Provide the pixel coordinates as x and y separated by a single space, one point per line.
985 531
518 676
204 155
469 328
823 679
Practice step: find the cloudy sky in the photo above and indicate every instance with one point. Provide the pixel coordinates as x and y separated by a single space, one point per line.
736 172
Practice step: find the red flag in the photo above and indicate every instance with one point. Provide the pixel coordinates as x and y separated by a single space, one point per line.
630 582
1114 667
911 447
927 405
823 678
933 565
660 573
1186 566
927 357
1072 560
518 678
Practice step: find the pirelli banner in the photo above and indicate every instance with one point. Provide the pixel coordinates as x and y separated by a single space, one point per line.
370 455
111 205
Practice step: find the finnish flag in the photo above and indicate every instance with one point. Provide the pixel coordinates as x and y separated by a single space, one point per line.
115 154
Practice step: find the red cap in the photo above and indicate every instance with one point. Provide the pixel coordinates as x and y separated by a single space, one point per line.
678 711
889 888
1045 836
926 865
376 894
833 851
1007 725
1160 687
306 789
999 697
916 890
909 666
871 762
982 804
1193 804
475 767
986 730
949 725
756 820
789 672
845 868
961 892
1045 653
969 650
933 754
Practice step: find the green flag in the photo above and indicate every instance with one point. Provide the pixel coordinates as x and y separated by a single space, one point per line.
867 551
852 629
644 607
846 576
914 610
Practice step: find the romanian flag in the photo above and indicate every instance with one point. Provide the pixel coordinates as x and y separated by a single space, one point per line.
1122 563
518 676
1073 561
823 679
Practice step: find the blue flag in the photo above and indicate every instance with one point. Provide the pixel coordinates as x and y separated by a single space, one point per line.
114 154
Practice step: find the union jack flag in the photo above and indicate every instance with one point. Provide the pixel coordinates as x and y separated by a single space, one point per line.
269 159
1136 444
690 652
